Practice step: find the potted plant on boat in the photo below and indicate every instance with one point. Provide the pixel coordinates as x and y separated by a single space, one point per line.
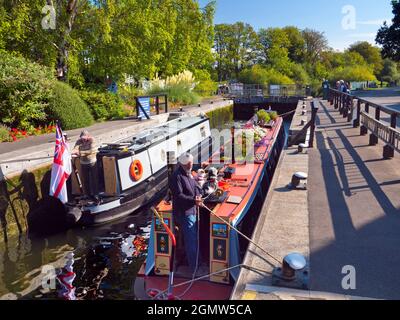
266 119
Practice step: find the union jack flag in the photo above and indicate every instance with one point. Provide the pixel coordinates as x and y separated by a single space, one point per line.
62 167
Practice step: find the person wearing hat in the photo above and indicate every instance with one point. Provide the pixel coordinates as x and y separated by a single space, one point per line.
85 149
186 198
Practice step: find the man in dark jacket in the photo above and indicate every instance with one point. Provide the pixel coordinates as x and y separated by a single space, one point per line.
186 199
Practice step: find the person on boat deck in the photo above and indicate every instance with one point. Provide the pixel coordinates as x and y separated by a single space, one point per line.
85 149
186 198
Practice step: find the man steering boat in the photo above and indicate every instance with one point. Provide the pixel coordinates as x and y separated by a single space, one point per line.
85 149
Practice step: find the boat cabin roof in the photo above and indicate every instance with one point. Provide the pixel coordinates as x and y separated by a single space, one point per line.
150 136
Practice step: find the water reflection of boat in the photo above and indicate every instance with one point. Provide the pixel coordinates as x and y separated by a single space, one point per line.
220 246
133 172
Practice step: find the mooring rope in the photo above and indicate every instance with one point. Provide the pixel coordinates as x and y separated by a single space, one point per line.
287 114
161 295
242 234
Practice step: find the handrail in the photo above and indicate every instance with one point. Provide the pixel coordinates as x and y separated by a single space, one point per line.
387 132
382 131
310 125
156 104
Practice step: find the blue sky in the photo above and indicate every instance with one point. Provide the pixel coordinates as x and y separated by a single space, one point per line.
322 15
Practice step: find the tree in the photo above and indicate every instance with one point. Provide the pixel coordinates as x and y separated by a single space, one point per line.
98 39
390 72
371 54
352 73
315 44
274 48
236 49
27 35
353 58
389 36
297 44
258 74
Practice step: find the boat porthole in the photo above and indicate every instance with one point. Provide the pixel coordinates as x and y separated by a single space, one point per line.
136 170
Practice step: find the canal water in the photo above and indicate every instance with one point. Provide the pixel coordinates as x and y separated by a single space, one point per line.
106 262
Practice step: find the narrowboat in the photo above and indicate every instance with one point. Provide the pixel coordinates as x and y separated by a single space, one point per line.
165 274
133 172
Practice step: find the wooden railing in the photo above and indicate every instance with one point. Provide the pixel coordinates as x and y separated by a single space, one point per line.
309 126
157 103
358 111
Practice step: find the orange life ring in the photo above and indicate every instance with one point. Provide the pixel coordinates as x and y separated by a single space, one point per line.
136 170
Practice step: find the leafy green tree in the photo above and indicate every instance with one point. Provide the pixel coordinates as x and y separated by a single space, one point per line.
98 39
371 54
390 72
25 89
275 53
298 74
353 58
235 49
258 74
352 73
389 36
297 44
315 44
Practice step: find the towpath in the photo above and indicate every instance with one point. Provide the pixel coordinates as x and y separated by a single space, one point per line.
348 218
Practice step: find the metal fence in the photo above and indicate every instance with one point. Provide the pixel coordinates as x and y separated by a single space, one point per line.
240 90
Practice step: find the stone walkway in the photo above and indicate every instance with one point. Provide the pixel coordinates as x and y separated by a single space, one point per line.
350 216
354 204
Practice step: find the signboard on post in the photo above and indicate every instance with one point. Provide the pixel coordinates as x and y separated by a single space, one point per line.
143 107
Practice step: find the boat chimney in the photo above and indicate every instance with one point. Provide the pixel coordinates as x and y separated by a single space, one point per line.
233 144
171 166
171 163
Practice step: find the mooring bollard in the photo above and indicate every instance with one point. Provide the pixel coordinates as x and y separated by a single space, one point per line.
293 273
302 147
296 183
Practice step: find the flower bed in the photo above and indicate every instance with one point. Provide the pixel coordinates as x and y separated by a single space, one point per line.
14 134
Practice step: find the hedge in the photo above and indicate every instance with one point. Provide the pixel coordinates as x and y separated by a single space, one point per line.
66 106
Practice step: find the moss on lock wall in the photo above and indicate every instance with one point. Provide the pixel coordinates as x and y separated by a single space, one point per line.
220 117
19 197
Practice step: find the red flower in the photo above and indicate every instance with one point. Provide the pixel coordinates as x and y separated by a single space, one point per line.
14 130
23 133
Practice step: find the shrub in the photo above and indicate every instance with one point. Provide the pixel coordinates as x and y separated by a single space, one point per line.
128 93
352 73
104 105
66 106
206 88
263 116
274 115
299 74
260 75
178 94
25 89
179 88
4 133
